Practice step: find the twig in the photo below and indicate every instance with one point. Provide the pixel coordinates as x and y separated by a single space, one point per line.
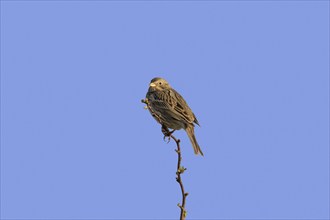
180 170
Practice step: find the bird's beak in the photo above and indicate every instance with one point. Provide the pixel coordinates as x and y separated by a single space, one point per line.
152 85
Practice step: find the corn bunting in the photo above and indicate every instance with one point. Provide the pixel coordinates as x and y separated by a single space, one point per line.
170 110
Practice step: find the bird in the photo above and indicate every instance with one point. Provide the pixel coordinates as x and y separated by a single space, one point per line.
170 110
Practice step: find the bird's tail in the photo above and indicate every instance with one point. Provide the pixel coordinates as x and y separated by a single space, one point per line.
191 134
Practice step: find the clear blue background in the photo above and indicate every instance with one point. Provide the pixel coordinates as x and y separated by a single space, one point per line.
77 143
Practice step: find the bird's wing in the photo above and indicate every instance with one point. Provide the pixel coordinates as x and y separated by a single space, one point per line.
196 121
181 107
172 103
163 103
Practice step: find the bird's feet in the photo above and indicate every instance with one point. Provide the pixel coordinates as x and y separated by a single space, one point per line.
167 133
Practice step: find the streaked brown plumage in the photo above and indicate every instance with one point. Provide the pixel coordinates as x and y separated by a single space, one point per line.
169 109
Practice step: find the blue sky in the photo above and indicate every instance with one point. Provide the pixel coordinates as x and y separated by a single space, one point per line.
76 142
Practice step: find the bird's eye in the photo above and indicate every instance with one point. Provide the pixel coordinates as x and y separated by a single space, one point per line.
160 83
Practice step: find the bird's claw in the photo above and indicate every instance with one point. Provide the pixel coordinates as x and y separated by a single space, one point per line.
168 138
165 130
167 133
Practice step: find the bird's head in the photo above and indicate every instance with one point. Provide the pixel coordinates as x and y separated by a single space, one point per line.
158 84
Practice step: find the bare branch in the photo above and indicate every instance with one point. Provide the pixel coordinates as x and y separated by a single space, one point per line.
180 170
